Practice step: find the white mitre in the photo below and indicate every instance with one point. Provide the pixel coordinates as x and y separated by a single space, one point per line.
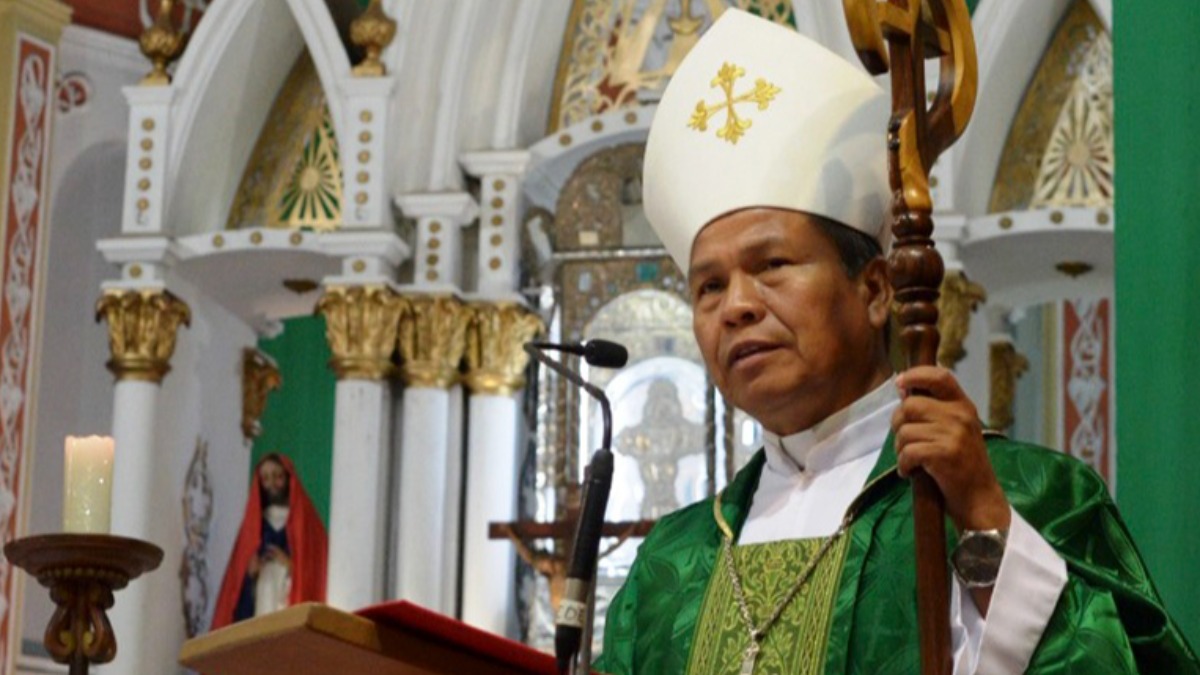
808 132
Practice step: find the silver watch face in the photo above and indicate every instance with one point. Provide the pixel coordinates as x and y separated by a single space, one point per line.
977 558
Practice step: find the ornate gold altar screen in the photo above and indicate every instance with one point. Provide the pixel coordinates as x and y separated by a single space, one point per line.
898 36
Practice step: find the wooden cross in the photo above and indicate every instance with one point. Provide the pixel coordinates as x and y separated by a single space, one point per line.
898 36
553 564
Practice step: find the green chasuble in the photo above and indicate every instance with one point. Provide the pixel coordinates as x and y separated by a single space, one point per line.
1109 618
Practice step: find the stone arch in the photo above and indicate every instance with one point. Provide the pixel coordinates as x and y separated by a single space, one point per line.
240 54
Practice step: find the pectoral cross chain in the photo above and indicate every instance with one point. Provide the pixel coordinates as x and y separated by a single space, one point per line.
750 657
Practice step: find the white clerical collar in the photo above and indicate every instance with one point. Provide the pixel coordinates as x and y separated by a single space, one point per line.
848 434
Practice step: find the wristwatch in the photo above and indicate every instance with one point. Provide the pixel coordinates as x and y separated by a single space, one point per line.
977 557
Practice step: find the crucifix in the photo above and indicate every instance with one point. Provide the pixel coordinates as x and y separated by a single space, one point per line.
552 563
897 36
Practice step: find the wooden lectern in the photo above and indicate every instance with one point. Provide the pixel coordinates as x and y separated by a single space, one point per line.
397 638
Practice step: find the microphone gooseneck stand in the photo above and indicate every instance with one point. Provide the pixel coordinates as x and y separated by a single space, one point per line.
573 622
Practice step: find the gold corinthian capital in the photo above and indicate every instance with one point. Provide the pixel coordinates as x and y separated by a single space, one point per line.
360 326
433 335
958 299
495 353
142 324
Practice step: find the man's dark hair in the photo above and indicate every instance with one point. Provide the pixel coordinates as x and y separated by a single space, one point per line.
854 248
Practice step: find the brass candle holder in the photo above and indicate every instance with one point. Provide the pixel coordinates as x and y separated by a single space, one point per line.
82 571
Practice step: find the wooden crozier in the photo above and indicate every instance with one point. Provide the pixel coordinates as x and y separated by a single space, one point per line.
897 36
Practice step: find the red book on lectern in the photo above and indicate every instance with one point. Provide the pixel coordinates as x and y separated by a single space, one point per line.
410 618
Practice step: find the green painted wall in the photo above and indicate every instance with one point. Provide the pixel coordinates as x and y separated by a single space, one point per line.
1158 291
298 420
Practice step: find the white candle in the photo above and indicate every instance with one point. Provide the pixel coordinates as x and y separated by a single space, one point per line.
87 484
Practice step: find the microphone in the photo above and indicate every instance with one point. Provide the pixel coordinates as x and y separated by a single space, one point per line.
572 622
605 354
599 353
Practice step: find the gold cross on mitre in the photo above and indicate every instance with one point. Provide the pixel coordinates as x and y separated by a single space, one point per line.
735 127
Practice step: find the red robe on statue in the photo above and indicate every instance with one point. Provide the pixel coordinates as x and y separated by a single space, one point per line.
306 538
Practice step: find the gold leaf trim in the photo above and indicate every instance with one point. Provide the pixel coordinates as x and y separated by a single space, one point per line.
958 299
142 326
432 339
260 377
373 30
361 324
297 140
162 43
495 349
1037 118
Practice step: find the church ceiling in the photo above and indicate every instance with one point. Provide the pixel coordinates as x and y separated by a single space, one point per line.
128 18
119 18
620 53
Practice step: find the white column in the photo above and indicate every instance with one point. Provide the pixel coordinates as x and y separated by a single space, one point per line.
135 409
144 322
429 489
492 453
496 367
135 406
361 325
488 565
135 395
358 515
452 542
363 347
431 341
422 569
143 259
495 375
